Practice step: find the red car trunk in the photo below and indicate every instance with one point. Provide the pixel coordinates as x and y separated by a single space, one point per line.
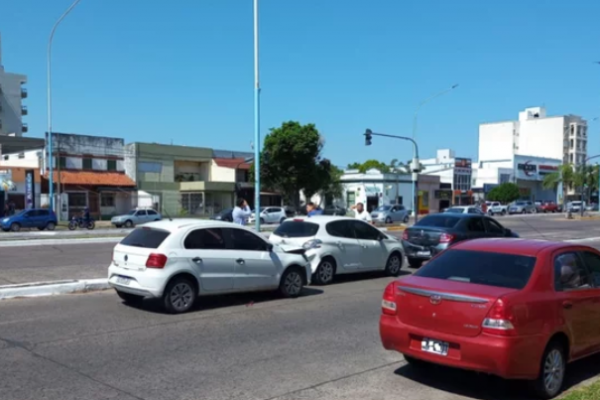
446 306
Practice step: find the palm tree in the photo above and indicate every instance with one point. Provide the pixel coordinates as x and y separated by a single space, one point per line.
565 175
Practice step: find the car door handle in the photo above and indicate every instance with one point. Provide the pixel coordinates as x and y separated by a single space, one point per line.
197 260
240 261
340 244
567 305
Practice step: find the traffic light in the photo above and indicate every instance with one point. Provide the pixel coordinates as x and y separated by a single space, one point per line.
368 137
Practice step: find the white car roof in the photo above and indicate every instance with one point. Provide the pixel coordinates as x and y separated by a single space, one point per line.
320 219
173 225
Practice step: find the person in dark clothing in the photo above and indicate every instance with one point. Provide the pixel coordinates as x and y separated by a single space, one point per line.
86 215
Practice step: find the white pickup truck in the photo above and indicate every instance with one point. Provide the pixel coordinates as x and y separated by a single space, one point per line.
495 208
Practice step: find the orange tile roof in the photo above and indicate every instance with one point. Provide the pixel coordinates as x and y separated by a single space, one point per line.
232 163
95 178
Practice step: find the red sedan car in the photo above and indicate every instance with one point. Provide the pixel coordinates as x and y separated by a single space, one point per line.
518 309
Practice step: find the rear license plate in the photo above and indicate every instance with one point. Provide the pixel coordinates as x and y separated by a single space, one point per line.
434 346
121 280
423 254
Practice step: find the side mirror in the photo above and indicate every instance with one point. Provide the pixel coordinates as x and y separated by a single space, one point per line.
507 232
381 237
269 247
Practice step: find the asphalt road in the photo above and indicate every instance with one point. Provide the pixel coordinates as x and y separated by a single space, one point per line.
78 261
324 345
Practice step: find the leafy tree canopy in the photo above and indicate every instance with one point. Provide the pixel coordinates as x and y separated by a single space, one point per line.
504 193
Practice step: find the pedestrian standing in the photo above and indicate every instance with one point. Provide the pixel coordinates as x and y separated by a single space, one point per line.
312 210
241 212
361 213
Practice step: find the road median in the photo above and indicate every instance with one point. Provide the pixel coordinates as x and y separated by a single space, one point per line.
37 289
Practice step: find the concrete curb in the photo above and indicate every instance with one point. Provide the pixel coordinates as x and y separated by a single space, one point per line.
54 242
52 288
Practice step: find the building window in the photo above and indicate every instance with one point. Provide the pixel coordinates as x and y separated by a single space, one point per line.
350 198
192 203
571 143
504 178
111 165
571 158
152 167
572 129
78 200
62 162
107 200
87 163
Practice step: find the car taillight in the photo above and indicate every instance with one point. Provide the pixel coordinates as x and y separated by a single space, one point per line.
499 320
156 261
446 238
405 235
388 303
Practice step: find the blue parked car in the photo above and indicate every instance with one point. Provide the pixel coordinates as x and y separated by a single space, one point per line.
36 218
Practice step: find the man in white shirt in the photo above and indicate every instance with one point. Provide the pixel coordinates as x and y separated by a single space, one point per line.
361 213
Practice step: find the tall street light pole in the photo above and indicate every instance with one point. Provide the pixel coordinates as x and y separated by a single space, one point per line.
256 122
50 152
415 163
414 133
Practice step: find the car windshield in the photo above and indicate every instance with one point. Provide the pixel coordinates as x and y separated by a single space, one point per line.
520 203
148 238
384 208
455 210
480 267
440 221
296 229
576 203
131 212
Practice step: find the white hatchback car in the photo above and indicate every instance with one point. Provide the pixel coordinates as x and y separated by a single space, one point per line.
269 215
183 259
340 245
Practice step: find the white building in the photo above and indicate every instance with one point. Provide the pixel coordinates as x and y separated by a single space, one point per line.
534 134
455 176
525 151
11 108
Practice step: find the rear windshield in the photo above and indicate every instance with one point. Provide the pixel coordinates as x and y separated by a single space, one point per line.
455 210
296 229
480 267
147 238
440 221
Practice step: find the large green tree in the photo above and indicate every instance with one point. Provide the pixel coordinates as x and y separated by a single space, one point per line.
504 193
291 161
370 164
566 175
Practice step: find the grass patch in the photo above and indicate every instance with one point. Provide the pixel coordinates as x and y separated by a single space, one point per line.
591 392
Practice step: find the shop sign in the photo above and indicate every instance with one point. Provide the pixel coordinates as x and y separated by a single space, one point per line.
462 163
443 194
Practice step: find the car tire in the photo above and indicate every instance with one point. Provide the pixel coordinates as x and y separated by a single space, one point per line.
552 372
503 213
180 295
415 262
325 271
393 267
50 226
388 220
406 218
292 283
118 226
262 221
129 224
15 227
129 298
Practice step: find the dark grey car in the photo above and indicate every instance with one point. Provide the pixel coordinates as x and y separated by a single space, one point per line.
435 233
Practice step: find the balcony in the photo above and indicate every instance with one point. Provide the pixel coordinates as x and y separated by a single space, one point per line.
24 110
23 93
24 128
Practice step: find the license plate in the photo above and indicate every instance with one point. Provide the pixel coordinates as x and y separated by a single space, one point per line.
434 346
423 254
121 280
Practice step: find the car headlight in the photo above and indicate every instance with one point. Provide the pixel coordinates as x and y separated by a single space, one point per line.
5 220
312 244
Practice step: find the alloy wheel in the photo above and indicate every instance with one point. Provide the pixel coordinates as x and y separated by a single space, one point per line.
325 272
293 283
394 265
554 371
181 296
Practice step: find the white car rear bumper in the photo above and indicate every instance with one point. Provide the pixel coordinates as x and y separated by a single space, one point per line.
148 283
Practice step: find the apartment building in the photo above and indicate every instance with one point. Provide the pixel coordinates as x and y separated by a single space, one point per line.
534 134
12 93
88 171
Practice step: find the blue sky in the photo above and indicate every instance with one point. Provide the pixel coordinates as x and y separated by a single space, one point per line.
182 70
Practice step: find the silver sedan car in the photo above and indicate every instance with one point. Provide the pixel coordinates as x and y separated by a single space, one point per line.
390 213
135 217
